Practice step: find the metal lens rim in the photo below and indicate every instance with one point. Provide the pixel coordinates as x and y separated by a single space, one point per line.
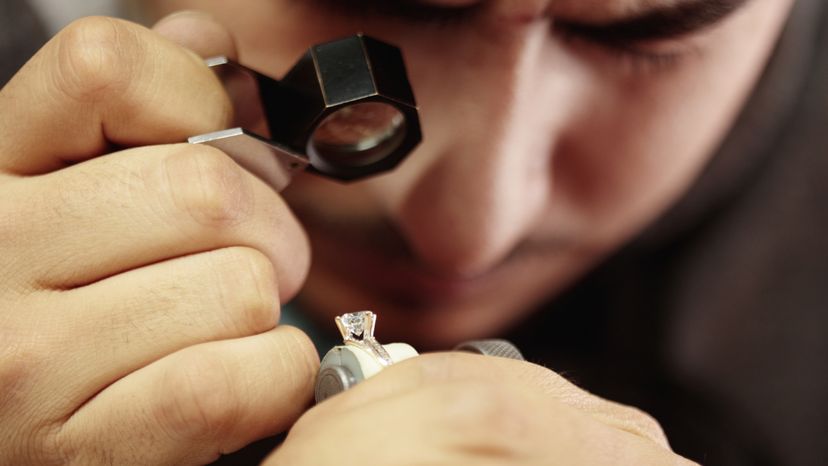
363 153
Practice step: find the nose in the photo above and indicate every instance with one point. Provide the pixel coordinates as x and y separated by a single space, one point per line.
482 180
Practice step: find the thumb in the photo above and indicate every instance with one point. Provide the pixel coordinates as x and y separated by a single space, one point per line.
198 32
207 37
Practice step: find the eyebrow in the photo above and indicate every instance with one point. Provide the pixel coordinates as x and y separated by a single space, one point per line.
652 24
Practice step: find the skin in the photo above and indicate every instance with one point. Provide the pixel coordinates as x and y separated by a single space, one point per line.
522 195
140 291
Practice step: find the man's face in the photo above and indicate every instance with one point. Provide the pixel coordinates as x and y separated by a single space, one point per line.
554 130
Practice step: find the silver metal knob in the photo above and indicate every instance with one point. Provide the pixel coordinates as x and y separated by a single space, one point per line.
492 347
332 380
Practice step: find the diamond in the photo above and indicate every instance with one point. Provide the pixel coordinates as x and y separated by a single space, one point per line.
356 325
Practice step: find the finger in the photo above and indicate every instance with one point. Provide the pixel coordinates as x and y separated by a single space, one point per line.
198 403
207 37
103 82
130 320
460 423
199 32
146 205
395 430
438 368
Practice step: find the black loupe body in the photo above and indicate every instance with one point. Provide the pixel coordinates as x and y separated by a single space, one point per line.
345 110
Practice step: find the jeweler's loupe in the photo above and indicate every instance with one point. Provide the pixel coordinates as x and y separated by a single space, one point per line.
345 110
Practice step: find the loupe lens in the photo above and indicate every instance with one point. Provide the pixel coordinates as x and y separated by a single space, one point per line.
358 135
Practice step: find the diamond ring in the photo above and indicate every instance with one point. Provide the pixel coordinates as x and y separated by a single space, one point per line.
357 329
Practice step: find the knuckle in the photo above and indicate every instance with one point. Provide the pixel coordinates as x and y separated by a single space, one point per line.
428 369
57 448
33 439
209 186
488 418
25 357
95 57
41 446
248 286
640 423
17 370
199 399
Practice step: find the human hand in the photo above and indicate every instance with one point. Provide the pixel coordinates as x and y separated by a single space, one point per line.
457 408
139 291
